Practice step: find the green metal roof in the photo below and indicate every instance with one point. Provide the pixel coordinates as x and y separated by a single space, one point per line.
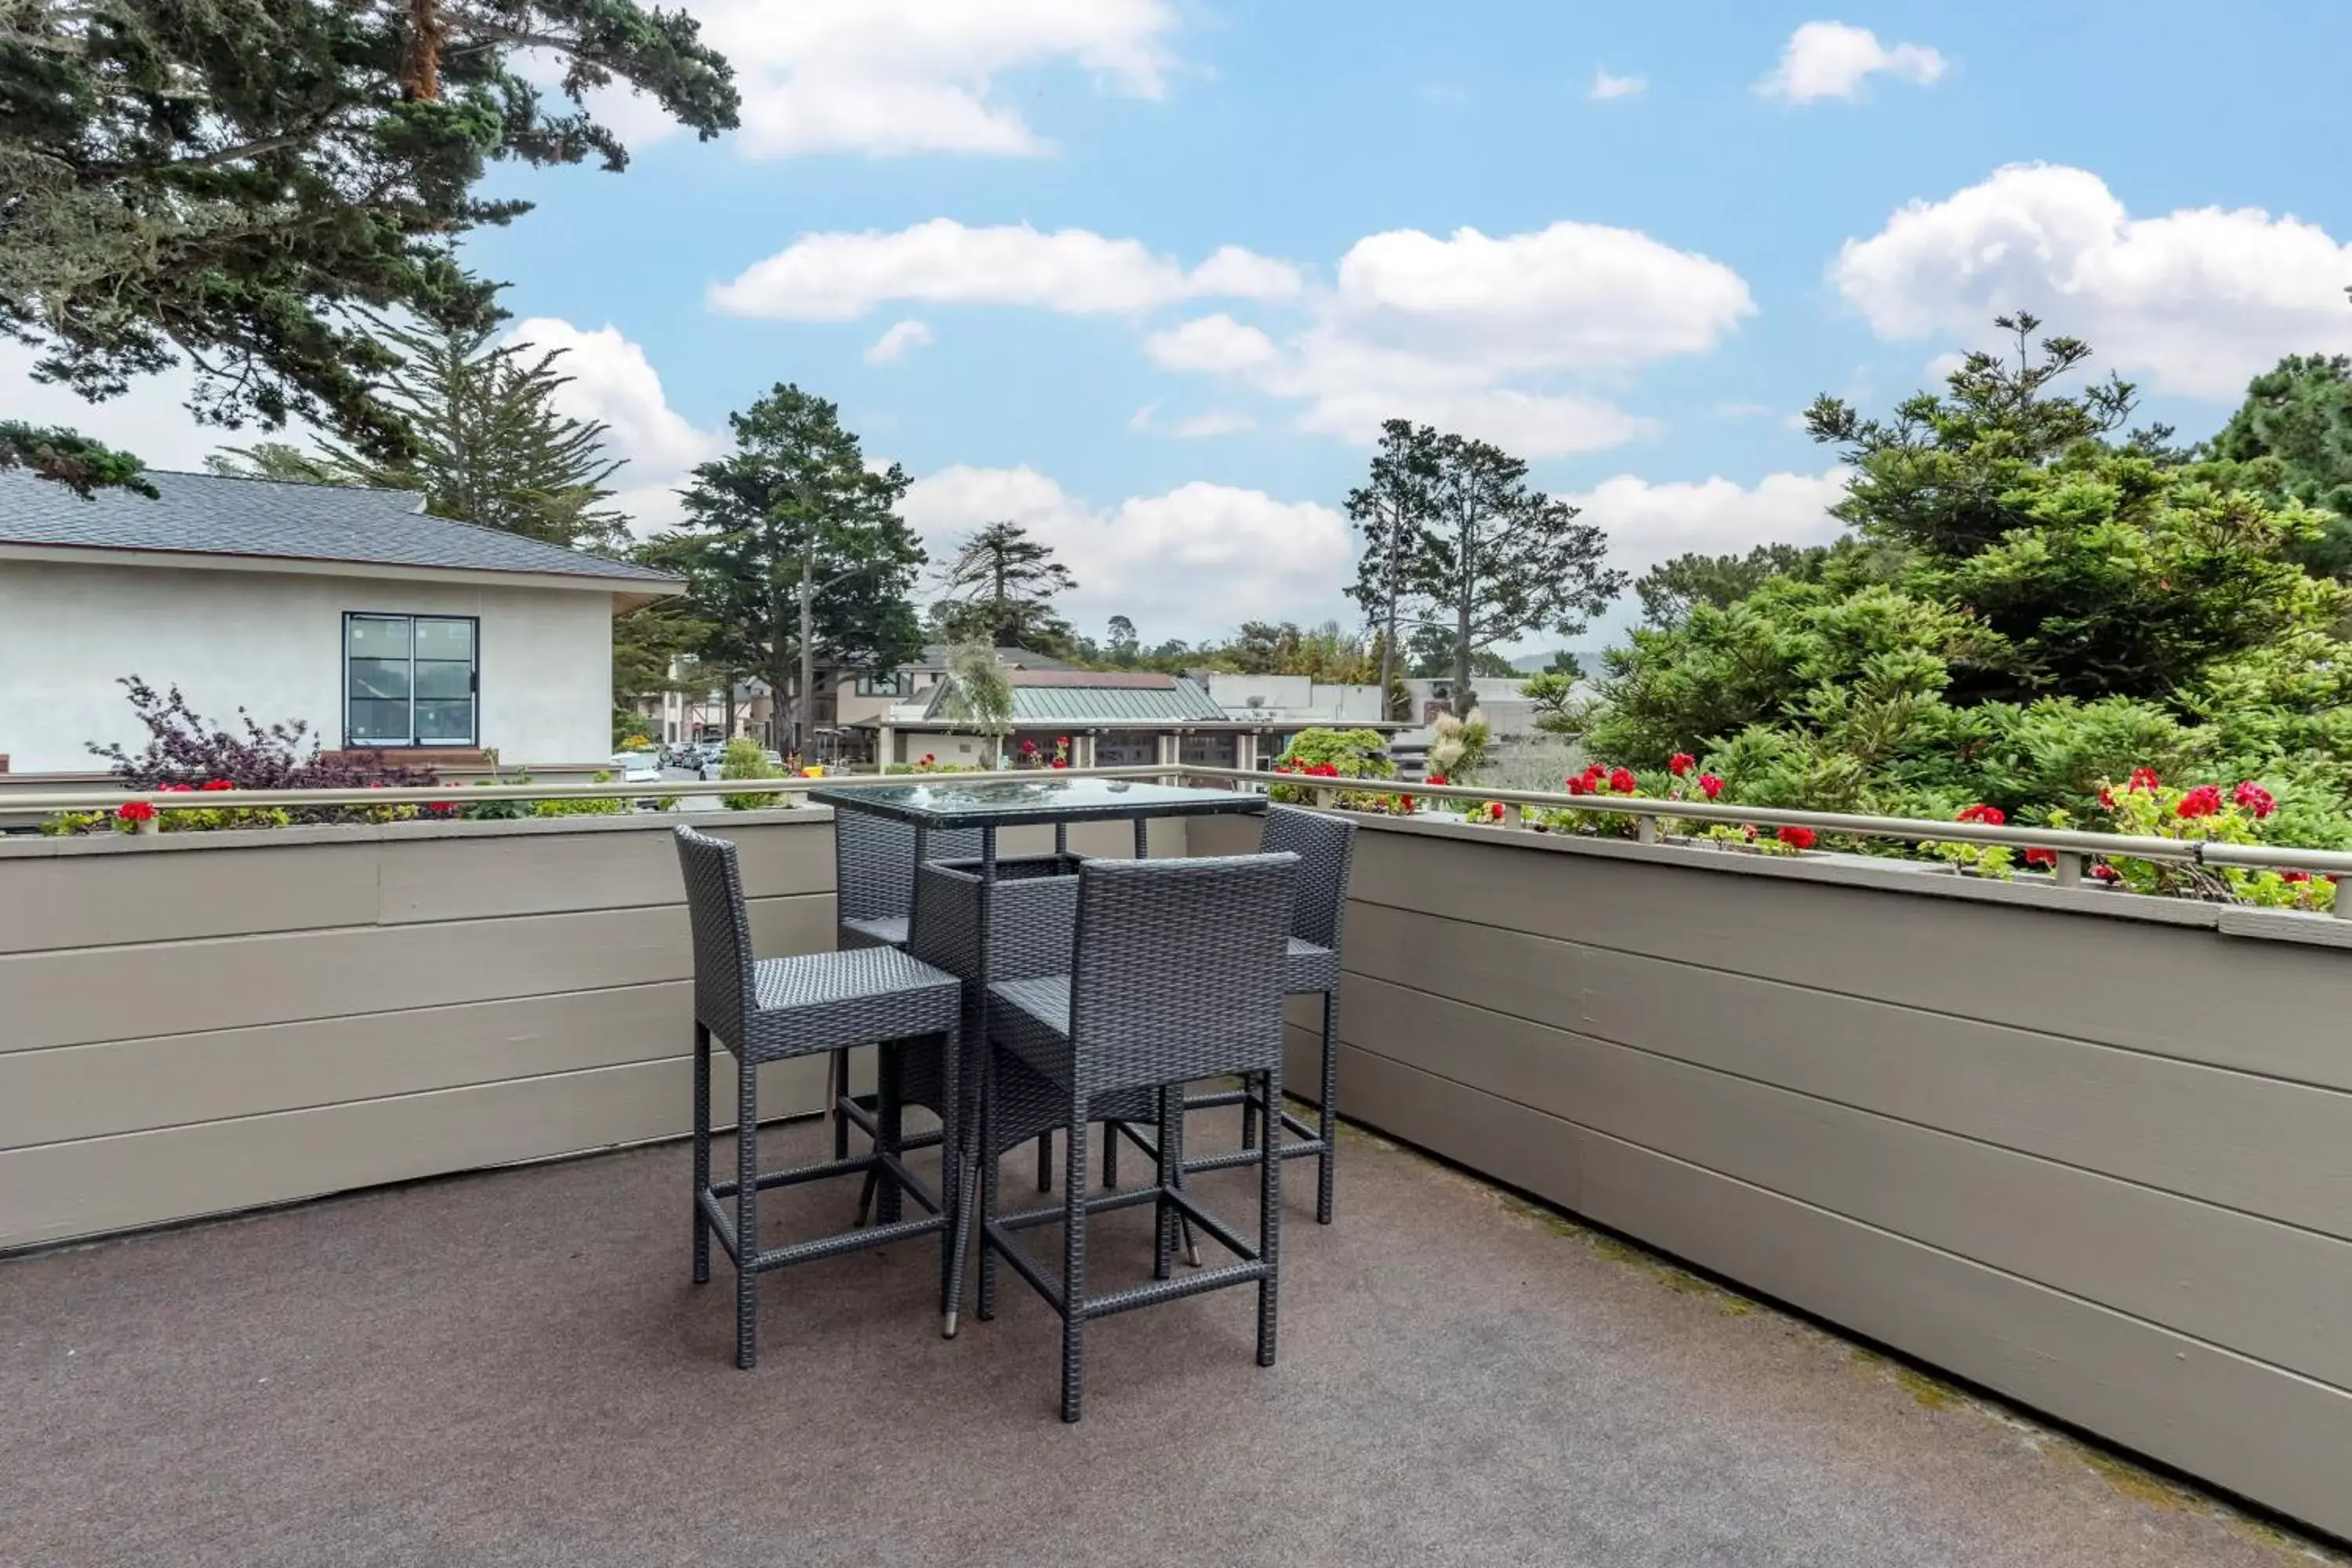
1121 698
1181 701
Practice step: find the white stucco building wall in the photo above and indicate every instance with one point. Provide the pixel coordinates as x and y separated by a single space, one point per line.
272 643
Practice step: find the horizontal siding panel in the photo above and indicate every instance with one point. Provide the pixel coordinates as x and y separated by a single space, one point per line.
61 1191
2272 1148
84 995
2247 1284
426 880
123 1086
2268 1007
2266 1433
48 902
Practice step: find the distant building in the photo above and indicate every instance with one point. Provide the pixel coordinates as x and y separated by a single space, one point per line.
348 608
1113 719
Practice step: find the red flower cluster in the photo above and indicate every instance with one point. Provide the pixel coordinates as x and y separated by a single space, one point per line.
1311 770
1061 761
1710 785
2106 873
1681 763
1795 837
1437 779
135 811
215 784
2255 798
2205 800
929 758
2046 859
1991 815
2295 876
1494 810
1028 747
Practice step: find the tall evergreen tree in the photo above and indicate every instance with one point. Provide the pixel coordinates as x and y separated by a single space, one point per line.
487 444
221 183
1479 553
2294 434
999 590
792 507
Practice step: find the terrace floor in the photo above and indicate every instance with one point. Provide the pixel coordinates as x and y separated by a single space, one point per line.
512 1368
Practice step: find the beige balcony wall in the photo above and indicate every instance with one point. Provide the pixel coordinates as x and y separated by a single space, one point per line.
198 1022
2092 1152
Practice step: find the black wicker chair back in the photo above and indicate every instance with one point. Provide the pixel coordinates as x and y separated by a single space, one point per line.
873 862
1178 970
1325 847
723 987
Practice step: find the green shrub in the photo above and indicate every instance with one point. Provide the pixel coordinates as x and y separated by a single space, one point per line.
592 806
745 760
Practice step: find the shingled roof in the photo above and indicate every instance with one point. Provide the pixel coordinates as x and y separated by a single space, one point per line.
1087 697
212 514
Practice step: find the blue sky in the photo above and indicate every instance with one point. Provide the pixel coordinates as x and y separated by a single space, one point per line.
1772 201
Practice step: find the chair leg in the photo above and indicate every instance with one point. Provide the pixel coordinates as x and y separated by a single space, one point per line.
991 1168
1269 1226
1249 1112
1044 1161
837 1084
1163 1250
746 1216
890 1116
1074 1263
955 1187
1172 1146
1110 1156
1326 1122
701 1152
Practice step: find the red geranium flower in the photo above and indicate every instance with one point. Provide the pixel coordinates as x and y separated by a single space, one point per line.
2202 800
1061 761
2295 876
1494 809
2106 797
1062 740
2145 778
1795 837
1991 815
135 811
2047 859
2255 798
1710 785
2106 873
1576 786
176 789
1437 779
217 784
1029 748
1622 781
931 756
1594 774
1680 764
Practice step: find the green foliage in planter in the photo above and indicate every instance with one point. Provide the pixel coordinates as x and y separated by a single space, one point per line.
592 806
1350 753
746 760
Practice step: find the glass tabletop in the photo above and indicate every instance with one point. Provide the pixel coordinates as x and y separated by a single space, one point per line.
947 804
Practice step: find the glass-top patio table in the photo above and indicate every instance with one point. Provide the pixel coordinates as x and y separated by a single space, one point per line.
989 806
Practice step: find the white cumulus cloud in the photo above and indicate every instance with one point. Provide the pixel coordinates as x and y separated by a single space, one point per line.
885 78
1193 563
1650 521
1833 60
1606 86
2195 301
838 277
897 341
1481 334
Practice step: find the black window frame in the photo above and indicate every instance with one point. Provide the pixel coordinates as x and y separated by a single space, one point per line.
902 684
473 682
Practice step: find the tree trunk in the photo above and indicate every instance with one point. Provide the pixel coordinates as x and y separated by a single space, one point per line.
420 69
1387 643
1466 697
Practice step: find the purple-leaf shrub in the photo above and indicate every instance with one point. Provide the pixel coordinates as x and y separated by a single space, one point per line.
187 749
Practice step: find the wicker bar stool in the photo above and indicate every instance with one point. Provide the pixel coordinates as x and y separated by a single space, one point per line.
873 862
1325 847
773 1009
1177 976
